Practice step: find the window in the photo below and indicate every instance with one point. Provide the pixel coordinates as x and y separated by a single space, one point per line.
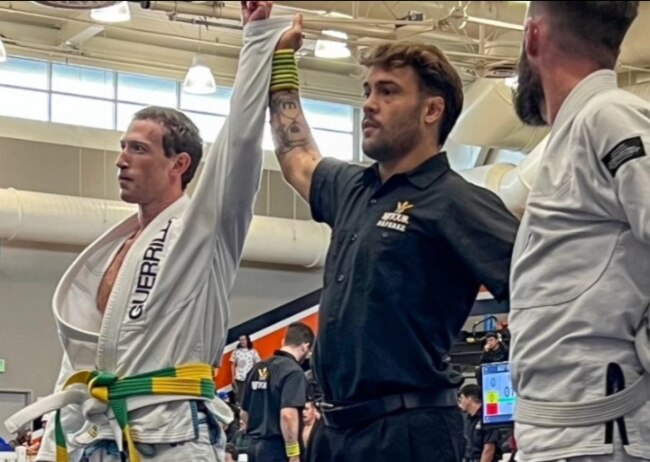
331 116
99 98
86 112
125 112
24 104
147 90
209 125
216 103
24 73
334 144
82 81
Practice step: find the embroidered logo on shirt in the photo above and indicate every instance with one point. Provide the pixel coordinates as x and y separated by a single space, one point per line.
623 152
402 207
397 220
147 273
262 379
263 373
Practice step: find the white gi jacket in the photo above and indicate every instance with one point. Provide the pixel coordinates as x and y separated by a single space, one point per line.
580 276
169 304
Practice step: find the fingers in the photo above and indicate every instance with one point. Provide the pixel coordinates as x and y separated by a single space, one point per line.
245 14
297 22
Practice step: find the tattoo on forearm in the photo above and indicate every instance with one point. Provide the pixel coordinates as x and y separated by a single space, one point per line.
288 124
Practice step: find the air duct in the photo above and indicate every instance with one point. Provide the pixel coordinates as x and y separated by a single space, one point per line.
497 126
489 120
39 217
634 49
510 182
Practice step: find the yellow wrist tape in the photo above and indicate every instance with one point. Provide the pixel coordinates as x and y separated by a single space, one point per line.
284 74
292 449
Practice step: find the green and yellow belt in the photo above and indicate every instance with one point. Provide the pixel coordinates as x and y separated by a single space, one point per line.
190 380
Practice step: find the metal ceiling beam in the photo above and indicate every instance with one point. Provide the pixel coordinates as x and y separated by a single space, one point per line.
76 33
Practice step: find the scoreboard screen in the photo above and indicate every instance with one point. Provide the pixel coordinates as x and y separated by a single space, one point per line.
498 396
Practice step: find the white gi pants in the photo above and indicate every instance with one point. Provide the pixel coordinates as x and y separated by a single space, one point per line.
199 450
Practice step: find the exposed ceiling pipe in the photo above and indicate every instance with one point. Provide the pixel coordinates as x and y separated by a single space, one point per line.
351 27
634 49
113 27
510 182
359 27
50 218
513 183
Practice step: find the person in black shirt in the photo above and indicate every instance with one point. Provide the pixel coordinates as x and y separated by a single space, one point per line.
495 350
412 243
275 393
481 444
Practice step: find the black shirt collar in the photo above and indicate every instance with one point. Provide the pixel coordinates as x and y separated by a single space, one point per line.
284 353
422 176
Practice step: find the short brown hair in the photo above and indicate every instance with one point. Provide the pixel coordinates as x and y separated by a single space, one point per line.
299 333
181 135
592 29
436 74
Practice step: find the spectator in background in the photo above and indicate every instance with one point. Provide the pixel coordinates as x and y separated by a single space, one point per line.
275 394
232 454
495 350
243 359
481 445
310 416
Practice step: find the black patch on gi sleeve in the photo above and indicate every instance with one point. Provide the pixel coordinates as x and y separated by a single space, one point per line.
625 151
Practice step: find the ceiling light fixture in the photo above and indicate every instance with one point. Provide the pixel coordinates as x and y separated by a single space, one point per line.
199 79
330 49
511 82
119 12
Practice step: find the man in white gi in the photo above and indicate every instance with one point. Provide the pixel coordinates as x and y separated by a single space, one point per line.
581 267
145 307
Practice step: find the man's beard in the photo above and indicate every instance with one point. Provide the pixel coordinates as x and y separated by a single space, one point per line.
394 143
529 95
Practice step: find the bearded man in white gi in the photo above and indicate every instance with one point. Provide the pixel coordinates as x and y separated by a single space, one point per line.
145 307
580 277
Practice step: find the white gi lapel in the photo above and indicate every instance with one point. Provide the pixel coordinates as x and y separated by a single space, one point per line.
128 303
75 299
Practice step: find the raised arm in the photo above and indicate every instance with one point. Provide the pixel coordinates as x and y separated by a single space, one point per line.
295 148
219 215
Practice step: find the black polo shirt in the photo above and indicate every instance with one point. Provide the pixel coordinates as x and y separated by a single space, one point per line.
477 436
273 384
405 263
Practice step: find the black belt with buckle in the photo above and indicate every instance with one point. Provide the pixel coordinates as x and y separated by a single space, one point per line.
364 411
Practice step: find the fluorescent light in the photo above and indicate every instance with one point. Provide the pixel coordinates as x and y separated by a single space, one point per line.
3 52
330 49
119 12
511 82
199 79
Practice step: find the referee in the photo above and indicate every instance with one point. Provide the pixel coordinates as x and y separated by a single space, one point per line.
274 395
